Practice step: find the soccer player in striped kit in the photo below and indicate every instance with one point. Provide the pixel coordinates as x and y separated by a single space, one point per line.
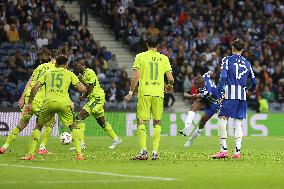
235 72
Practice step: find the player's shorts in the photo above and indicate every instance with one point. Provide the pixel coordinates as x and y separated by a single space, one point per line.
95 107
150 105
36 106
62 108
211 109
234 108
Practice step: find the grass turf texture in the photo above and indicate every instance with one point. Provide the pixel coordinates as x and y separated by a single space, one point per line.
261 166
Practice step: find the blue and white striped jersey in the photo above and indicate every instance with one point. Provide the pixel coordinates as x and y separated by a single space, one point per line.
209 91
235 72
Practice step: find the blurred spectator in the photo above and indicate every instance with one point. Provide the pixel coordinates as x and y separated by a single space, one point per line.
3 34
84 10
12 34
113 94
263 105
268 94
25 34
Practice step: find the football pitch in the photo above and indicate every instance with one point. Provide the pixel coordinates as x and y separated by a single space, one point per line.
261 165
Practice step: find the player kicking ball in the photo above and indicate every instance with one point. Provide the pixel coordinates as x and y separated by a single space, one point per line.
207 99
57 84
149 70
95 106
235 72
37 104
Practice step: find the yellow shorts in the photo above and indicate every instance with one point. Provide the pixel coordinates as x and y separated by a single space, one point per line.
36 106
62 108
148 105
95 107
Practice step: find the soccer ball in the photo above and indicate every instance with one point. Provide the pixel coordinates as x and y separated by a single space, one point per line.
65 138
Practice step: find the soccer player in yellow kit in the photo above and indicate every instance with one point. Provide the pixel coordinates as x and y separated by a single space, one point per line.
37 104
95 106
149 70
57 83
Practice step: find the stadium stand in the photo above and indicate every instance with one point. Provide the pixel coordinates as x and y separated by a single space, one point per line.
197 34
29 30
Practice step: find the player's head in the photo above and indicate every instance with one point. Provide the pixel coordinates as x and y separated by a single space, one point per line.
152 41
238 45
54 53
79 65
62 61
199 82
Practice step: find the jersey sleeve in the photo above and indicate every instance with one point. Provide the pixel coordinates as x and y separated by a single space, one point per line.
89 77
251 74
74 79
42 78
137 63
168 67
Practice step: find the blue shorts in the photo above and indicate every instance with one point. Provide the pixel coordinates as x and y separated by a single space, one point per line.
211 109
234 108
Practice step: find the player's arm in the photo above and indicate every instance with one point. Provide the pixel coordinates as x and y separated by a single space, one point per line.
22 99
134 82
81 88
170 85
252 79
223 75
193 97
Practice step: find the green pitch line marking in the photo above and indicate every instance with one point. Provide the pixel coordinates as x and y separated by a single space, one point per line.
90 172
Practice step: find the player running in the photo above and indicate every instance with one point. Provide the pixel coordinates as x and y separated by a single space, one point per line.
37 104
57 83
234 75
207 99
95 106
149 70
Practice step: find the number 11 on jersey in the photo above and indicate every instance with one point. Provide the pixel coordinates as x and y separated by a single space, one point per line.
154 70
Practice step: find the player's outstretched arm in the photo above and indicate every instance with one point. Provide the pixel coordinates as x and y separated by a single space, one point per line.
22 99
134 82
81 88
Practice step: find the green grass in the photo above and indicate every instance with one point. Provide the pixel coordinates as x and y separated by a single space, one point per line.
261 166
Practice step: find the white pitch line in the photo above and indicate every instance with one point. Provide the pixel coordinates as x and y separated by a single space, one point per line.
90 172
72 181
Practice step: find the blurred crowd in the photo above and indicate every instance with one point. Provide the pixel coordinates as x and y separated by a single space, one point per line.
195 35
30 29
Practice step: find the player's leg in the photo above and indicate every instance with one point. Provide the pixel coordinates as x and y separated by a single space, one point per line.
44 116
81 127
228 109
25 118
66 116
143 113
196 106
110 132
240 115
157 110
46 135
210 110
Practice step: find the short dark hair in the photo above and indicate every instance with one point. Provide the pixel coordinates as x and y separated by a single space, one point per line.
61 60
54 53
153 40
238 44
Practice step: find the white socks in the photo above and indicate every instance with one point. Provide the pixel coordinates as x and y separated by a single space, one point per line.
238 135
196 134
189 118
222 131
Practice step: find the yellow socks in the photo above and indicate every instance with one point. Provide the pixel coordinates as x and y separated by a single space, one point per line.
12 136
76 138
34 140
156 138
45 137
142 135
81 127
108 129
